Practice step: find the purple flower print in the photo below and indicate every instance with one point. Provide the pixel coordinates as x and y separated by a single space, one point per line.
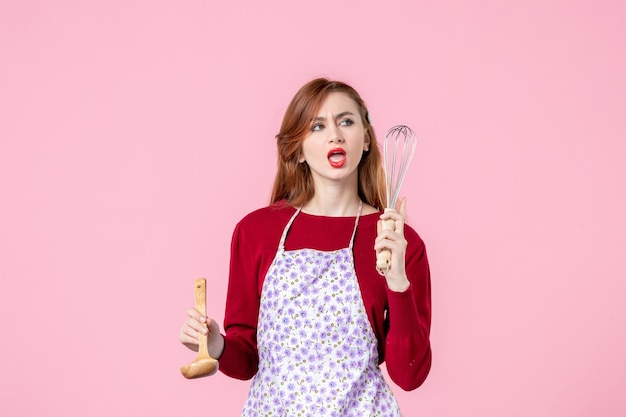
320 309
317 352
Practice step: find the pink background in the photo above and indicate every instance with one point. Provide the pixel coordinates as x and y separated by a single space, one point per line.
135 134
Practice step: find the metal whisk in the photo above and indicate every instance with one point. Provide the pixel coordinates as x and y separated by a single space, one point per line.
398 149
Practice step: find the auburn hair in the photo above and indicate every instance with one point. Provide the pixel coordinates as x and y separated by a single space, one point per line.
293 182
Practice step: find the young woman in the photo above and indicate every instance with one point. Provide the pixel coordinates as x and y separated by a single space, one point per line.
307 313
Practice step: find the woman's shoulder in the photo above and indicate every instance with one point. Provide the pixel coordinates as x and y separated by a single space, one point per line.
277 213
416 245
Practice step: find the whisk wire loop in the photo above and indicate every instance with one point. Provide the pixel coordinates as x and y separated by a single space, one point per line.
398 149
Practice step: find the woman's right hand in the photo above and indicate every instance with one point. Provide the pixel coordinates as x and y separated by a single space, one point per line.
195 323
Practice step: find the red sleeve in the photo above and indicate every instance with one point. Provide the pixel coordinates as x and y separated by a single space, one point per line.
240 358
407 353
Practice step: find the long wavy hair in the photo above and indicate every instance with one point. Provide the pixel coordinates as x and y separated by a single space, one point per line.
293 182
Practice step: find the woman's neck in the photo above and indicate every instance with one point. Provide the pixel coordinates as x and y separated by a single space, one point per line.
333 203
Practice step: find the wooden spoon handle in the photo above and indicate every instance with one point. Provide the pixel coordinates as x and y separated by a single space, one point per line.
203 350
201 295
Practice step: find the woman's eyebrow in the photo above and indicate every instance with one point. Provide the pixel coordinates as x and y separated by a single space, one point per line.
338 116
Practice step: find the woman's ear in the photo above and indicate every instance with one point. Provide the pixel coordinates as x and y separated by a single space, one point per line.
301 158
366 144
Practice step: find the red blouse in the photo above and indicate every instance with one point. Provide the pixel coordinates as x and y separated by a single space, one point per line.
401 321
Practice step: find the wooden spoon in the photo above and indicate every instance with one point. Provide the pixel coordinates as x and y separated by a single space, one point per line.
204 364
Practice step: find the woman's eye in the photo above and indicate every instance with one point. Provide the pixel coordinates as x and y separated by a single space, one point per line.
346 122
317 127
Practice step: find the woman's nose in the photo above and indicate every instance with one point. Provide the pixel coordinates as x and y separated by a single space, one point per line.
335 135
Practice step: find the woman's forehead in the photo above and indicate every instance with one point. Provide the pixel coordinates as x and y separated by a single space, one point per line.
337 102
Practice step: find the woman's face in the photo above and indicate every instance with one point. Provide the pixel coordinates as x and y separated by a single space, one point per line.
335 144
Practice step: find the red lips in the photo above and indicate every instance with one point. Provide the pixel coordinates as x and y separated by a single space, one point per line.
337 157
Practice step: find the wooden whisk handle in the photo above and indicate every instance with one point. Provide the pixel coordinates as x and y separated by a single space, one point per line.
383 258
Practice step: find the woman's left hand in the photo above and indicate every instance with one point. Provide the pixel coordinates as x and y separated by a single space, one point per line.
394 241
